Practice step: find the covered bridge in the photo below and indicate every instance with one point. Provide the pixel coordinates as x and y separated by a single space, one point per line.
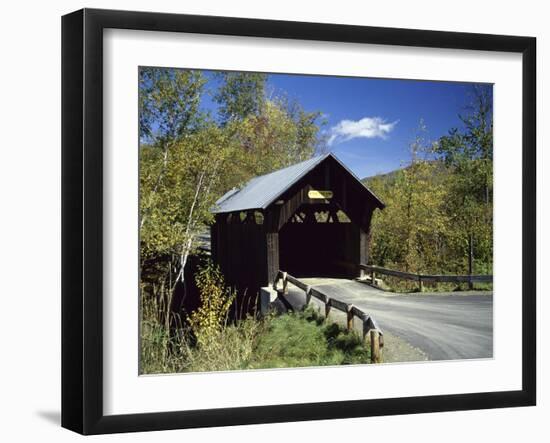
309 219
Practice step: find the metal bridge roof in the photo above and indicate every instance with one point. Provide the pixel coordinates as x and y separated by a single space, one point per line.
261 191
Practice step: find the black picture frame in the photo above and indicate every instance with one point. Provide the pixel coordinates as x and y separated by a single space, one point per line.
82 218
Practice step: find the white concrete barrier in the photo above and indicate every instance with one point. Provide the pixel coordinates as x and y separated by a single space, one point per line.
267 296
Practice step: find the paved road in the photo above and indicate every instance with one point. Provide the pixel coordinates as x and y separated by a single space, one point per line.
444 327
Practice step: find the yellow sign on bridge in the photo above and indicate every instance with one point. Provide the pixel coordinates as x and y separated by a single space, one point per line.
315 194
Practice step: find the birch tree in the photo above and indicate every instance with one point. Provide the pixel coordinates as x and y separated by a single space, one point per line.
179 208
190 156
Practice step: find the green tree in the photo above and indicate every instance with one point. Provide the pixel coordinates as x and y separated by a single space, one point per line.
169 101
188 160
178 208
468 152
438 216
169 104
241 94
270 140
409 234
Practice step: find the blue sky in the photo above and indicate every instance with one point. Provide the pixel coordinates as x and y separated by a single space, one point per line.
371 122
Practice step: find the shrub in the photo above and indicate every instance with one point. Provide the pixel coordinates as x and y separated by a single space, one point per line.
207 322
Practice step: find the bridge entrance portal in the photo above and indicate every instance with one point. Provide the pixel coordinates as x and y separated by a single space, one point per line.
319 240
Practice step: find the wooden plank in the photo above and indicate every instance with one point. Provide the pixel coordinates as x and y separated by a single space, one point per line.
376 269
296 282
373 324
428 277
457 278
341 306
318 294
442 278
359 313
482 278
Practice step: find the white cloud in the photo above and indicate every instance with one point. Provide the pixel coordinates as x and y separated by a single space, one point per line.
367 127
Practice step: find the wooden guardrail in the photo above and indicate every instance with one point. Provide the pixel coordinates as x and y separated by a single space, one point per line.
371 330
422 278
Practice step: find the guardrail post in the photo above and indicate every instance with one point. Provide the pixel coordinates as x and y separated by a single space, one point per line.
366 329
281 292
276 280
372 277
374 346
327 308
308 296
420 284
350 318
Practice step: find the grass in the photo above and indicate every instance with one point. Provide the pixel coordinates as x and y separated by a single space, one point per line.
305 339
298 339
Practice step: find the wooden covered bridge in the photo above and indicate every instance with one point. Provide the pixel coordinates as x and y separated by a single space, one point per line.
309 219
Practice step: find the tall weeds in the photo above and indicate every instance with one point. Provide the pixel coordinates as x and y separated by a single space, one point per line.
206 340
203 340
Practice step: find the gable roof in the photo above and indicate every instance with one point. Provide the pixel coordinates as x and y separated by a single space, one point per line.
263 190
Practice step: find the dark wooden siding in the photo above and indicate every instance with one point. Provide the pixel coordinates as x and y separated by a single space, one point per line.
240 251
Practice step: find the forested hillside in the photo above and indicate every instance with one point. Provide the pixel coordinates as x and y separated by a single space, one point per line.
439 211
